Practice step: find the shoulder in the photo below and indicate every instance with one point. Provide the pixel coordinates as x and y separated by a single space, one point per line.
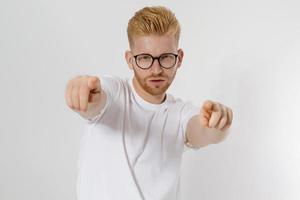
183 107
177 102
111 82
111 85
109 79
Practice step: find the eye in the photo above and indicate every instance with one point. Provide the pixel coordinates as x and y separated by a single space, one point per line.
144 57
166 56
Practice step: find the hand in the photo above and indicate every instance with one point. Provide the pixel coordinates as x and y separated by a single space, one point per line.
81 91
215 115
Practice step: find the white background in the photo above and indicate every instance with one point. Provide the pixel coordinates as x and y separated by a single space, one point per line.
244 54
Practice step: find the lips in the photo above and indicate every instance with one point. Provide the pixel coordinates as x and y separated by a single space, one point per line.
157 82
157 79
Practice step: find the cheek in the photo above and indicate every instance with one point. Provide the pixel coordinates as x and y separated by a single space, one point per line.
171 73
141 74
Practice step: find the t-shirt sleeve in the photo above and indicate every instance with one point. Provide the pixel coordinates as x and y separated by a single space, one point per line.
111 86
188 111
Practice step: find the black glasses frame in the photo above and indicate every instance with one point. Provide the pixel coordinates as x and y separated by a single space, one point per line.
154 58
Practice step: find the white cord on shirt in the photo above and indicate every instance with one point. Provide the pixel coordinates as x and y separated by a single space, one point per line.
128 162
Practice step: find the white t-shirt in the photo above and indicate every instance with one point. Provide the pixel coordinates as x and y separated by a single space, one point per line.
132 149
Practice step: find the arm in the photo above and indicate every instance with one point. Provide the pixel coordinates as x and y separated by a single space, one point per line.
85 96
94 107
211 126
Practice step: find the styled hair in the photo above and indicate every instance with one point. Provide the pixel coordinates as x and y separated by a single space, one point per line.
157 20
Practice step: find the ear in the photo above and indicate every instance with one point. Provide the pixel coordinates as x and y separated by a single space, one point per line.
180 57
129 58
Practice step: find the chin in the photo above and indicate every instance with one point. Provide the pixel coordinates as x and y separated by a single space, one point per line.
156 91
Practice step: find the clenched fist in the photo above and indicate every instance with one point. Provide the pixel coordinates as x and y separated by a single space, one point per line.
82 92
216 115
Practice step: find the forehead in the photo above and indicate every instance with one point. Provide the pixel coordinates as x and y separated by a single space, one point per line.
154 44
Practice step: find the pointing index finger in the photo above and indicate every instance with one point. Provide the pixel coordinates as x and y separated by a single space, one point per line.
208 106
94 84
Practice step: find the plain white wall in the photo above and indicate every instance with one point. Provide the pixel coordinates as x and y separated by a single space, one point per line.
245 54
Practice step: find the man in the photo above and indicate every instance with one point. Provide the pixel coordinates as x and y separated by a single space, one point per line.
135 132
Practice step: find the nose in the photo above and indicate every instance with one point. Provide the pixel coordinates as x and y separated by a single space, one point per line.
156 68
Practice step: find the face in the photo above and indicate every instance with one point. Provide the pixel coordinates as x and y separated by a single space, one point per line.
155 80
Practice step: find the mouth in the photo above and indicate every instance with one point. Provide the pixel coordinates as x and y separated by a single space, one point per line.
157 80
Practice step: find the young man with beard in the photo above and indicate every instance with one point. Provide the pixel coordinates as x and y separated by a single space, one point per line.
136 133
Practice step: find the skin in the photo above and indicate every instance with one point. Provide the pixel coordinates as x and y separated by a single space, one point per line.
214 119
84 95
154 45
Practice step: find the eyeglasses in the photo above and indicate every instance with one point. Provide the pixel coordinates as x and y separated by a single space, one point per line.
145 61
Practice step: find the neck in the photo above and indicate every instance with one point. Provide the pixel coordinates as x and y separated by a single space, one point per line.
155 99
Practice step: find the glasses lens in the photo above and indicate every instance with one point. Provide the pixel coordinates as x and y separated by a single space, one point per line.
144 61
167 60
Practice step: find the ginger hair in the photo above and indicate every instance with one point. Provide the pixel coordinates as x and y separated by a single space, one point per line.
157 20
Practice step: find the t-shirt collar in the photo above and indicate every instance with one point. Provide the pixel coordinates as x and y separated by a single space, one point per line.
145 103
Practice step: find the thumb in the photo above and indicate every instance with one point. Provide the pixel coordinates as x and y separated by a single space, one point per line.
94 83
